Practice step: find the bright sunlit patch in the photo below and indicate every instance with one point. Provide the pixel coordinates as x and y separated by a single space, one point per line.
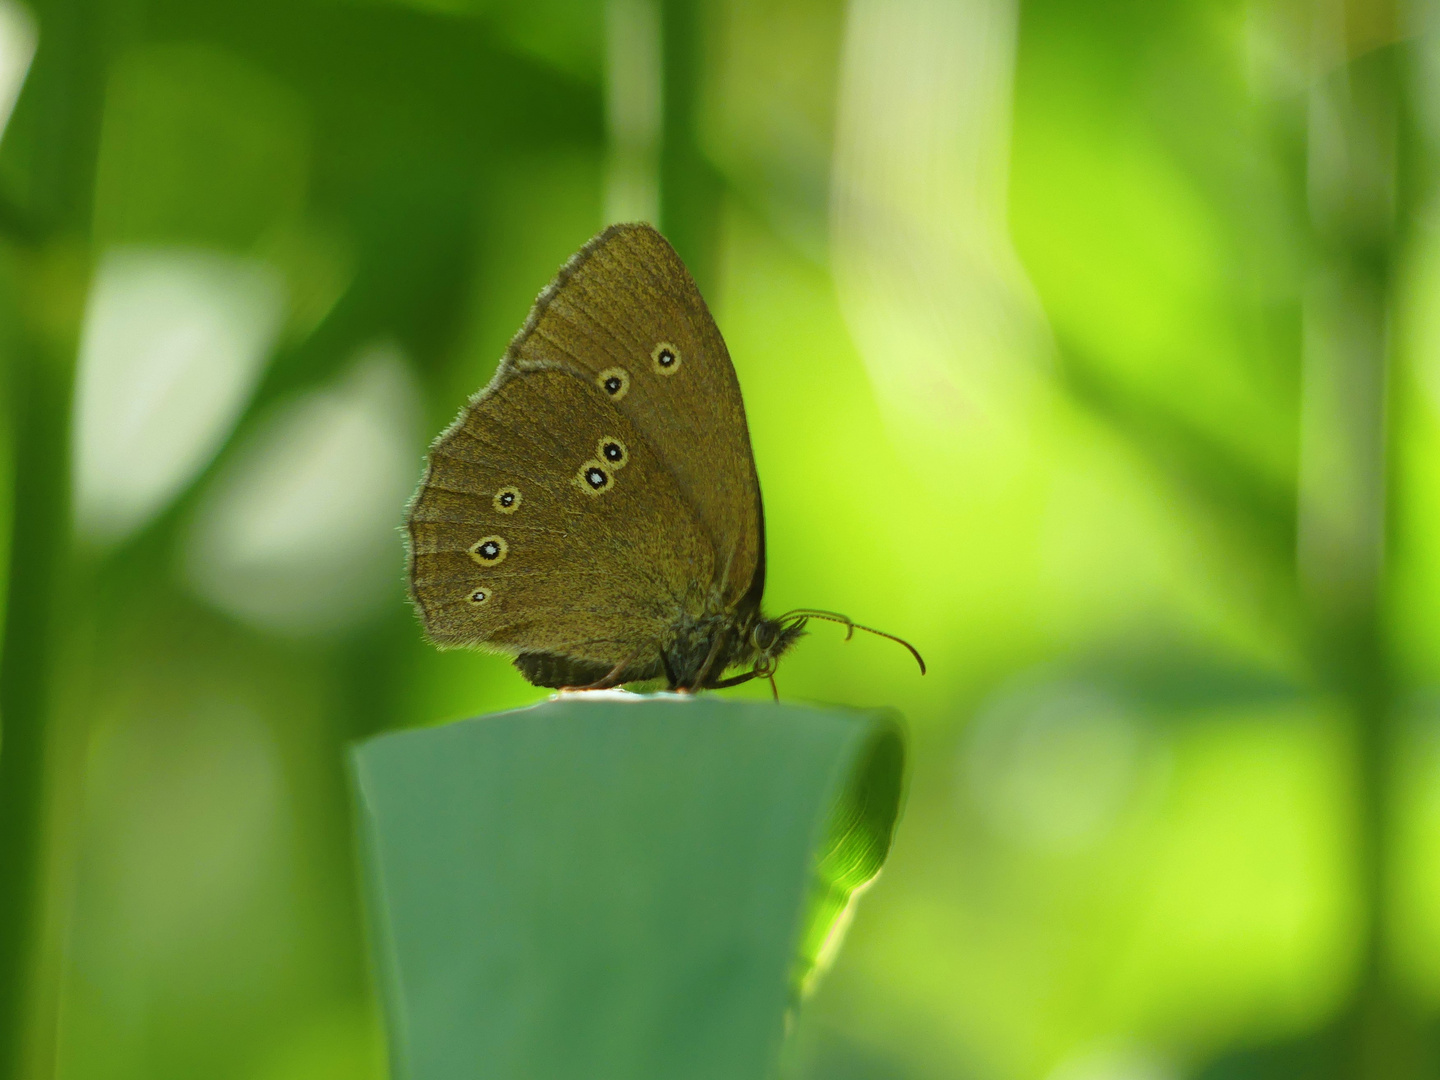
298 534
632 109
931 288
1115 1063
614 694
17 48
172 345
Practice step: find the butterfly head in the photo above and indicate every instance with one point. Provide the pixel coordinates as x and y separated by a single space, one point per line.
770 638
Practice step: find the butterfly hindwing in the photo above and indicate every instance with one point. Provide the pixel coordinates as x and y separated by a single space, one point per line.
517 547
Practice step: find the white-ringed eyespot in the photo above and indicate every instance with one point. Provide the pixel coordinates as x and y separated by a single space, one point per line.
615 381
490 550
595 478
665 358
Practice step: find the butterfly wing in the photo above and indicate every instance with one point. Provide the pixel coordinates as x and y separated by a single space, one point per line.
547 526
625 314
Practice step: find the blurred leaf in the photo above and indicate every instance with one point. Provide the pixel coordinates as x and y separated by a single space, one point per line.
564 33
17 47
173 343
857 841
614 888
297 533
198 147
318 263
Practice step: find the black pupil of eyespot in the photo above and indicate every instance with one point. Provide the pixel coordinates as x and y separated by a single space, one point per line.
612 451
479 596
596 478
507 499
490 550
612 384
666 357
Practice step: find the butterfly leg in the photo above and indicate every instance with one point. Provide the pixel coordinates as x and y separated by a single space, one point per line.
715 647
734 680
608 682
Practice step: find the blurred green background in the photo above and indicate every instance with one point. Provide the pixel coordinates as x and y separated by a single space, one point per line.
1093 345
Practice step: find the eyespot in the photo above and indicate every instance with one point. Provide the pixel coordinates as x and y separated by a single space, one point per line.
612 451
615 381
489 551
507 500
665 358
478 597
595 478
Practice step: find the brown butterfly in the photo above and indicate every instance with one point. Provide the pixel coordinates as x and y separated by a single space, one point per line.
594 512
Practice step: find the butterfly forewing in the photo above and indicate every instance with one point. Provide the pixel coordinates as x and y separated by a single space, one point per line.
626 316
547 524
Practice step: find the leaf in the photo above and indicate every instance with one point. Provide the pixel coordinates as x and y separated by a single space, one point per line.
615 888
857 839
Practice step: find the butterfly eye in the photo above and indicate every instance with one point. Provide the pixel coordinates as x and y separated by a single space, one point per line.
613 450
479 596
507 500
489 551
665 358
594 478
614 381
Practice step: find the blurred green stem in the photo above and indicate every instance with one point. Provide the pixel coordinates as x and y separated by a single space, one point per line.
690 187
58 122
41 400
1353 179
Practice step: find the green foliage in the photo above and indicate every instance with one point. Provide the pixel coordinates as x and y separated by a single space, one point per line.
197 149
616 888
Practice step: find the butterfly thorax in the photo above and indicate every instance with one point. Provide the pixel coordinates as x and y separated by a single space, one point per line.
704 647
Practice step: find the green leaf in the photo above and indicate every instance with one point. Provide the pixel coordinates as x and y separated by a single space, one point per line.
615 888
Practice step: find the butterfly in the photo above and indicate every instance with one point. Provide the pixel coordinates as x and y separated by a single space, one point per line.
594 512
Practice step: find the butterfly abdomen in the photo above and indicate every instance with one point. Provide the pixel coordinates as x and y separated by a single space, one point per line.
555 671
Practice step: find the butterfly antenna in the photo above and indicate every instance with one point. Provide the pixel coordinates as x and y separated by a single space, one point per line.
851 626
